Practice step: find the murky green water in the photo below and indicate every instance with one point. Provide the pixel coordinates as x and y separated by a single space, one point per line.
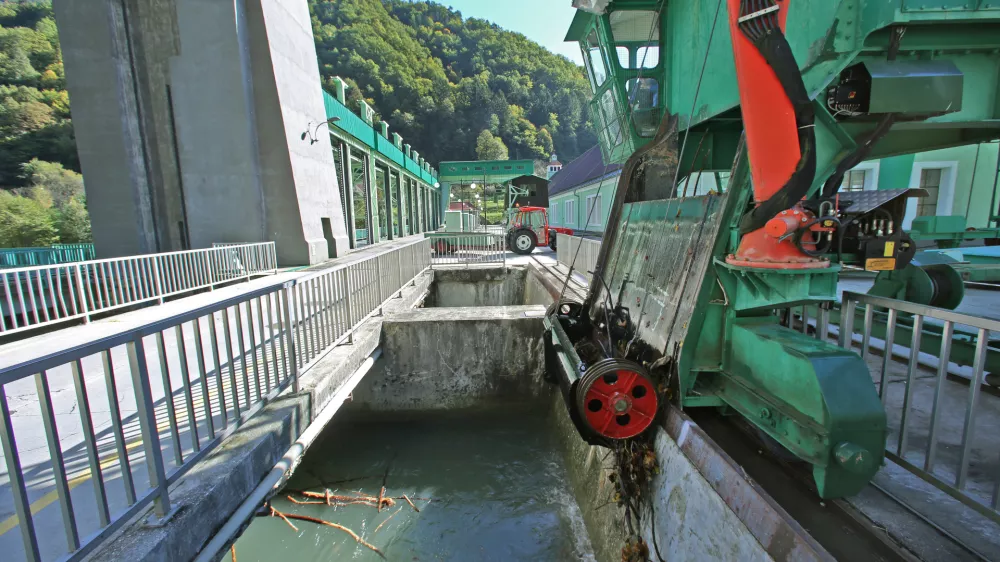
496 483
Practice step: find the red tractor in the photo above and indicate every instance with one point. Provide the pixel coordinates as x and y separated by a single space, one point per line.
529 227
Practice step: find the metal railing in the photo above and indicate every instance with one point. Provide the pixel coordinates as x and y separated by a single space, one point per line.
31 297
586 260
168 393
467 248
948 444
55 254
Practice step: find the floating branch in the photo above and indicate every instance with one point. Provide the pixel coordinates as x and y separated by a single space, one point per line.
386 520
415 508
354 535
282 515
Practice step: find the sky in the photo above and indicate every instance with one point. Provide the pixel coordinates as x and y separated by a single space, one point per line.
543 21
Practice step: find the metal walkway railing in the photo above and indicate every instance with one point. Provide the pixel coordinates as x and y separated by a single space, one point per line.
467 248
167 393
938 448
52 255
583 250
31 297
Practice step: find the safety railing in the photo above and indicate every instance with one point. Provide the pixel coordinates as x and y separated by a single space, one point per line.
467 248
933 421
55 254
167 394
31 297
583 250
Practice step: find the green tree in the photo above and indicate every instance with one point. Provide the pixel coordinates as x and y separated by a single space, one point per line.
441 79
34 104
489 147
73 222
24 222
63 185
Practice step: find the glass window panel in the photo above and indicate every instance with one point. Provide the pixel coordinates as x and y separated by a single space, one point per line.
930 181
596 58
623 59
634 25
644 101
648 57
613 130
854 180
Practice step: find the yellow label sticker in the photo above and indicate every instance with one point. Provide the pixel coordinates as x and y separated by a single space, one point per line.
880 264
890 248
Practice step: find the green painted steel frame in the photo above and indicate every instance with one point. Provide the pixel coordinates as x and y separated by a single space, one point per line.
826 37
419 198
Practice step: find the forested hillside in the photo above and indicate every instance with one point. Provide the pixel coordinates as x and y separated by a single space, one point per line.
42 200
448 84
440 79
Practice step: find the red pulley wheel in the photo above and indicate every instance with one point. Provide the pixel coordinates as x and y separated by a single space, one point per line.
616 398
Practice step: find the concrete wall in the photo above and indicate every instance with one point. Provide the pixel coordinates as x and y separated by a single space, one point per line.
188 116
452 358
477 287
99 74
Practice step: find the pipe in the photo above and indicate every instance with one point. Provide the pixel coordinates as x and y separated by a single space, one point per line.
285 467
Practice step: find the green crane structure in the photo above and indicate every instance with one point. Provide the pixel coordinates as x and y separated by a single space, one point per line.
786 95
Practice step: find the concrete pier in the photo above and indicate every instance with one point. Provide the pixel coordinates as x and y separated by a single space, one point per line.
188 116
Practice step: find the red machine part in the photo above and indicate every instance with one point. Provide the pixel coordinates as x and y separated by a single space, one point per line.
772 145
618 404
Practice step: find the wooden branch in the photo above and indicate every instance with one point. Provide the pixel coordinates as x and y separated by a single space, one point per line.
415 508
386 520
354 535
282 515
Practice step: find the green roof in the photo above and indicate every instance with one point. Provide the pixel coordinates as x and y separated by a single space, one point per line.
487 171
580 26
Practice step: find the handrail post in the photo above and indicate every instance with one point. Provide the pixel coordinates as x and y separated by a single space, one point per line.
399 267
208 269
147 426
293 365
350 308
82 296
378 280
158 280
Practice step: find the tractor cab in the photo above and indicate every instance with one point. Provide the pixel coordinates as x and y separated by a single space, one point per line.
529 227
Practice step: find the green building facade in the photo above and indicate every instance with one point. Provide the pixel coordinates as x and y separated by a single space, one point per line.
960 181
388 189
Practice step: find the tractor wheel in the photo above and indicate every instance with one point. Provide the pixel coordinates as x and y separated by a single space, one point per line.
522 241
552 240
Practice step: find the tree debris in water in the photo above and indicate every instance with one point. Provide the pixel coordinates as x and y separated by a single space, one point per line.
354 535
415 508
282 515
335 500
387 520
632 472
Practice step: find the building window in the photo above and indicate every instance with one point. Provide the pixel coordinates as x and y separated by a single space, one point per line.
594 211
554 215
854 180
569 209
930 181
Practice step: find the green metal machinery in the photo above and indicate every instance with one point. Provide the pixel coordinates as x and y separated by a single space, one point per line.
680 300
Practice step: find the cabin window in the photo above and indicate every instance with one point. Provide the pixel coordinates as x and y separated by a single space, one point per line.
631 26
643 100
612 125
595 58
